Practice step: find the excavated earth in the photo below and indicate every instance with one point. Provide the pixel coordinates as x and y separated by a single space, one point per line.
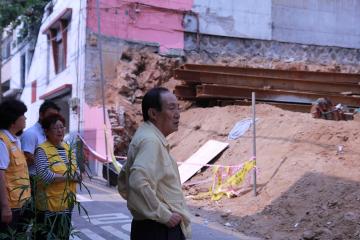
308 169
308 173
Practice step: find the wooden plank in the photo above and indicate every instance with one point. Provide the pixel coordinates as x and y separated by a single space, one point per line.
201 157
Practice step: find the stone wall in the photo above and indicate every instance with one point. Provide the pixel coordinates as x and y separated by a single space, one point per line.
270 54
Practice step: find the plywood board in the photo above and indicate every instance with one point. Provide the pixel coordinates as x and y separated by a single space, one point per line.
201 157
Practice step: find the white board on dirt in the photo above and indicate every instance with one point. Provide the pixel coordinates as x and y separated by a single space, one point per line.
205 154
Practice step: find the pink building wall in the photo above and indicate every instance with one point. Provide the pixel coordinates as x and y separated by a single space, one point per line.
143 20
94 129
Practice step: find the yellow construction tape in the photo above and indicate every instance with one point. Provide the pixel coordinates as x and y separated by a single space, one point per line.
219 189
116 164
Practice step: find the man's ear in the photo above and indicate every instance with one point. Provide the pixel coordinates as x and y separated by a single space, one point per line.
46 131
152 114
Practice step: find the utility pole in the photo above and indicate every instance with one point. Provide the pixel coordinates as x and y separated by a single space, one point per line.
102 89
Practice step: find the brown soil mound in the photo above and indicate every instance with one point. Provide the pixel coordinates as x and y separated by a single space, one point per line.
308 179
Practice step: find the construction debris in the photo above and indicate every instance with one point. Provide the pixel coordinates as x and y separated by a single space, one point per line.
200 158
209 82
323 108
138 70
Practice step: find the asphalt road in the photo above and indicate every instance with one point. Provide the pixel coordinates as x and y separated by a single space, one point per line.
108 218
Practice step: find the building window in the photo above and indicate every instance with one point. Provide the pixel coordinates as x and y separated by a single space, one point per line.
5 86
33 91
57 34
22 70
6 48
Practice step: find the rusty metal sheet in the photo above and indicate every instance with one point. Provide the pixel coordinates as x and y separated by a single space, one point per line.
187 75
264 82
185 92
325 77
231 92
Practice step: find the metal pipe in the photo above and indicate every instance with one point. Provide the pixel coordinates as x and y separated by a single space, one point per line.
254 140
102 88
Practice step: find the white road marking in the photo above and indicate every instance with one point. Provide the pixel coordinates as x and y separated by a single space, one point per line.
74 237
119 215
108 218
90 234
126 227
116 232
81 198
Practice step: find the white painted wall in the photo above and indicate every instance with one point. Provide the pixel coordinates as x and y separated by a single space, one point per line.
74 74
11 68
320 22
43 58
15 82
6 71
233 18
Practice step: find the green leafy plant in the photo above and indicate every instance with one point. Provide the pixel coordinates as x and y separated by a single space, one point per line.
26 12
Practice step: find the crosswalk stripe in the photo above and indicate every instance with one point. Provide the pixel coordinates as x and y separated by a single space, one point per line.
118 215
81 198
102 222
126 227
90 234
116 232
74 237
101 219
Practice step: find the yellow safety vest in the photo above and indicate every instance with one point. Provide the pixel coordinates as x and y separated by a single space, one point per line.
16 175
56 196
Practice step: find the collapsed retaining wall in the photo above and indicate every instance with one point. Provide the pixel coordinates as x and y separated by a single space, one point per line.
132 68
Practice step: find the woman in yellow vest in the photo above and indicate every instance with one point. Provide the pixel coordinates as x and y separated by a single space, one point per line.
13 169
57 177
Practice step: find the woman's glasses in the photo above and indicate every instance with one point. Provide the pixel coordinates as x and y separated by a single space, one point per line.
58 128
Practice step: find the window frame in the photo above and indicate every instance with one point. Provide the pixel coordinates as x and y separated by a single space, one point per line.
60 26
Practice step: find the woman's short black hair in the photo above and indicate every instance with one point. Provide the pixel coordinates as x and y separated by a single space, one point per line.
10 111
152 99
52 119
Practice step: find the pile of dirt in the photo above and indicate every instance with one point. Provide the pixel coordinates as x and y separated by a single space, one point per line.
308 178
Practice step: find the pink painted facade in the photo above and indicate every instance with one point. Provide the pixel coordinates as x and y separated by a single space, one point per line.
143 20
94 129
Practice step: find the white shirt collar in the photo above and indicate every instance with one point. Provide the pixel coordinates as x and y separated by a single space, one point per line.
10 136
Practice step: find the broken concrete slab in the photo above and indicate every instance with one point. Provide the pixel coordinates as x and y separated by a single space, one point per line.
200 158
